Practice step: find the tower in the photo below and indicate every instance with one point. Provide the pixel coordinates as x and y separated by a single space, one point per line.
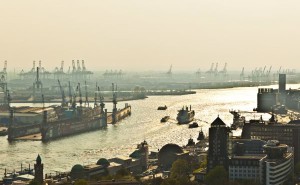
219 145
282 88
39 170
143 147
282 83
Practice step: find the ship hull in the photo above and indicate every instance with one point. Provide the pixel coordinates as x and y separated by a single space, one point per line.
185 120
62 129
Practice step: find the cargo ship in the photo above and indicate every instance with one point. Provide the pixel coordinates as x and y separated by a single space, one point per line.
185 115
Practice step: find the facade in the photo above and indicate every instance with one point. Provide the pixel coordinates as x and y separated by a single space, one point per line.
141 153
269 99
278 164
272 167
219 145
131 164
284 133
86 172
246 167
248 146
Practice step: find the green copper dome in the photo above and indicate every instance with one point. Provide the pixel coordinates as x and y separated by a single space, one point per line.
103 162
38 159
77 169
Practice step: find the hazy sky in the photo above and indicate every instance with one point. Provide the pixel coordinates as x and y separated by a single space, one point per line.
150 34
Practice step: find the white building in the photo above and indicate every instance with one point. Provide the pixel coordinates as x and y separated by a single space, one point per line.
271 168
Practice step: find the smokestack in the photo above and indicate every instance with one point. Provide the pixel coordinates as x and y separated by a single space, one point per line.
282 83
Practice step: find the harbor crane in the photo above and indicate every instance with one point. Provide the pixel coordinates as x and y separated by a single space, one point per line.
224 71
80 95
4 72
70 93
86 95
63 97
269 71
101 98
83 66
74 98
33 67
216 69
78 66
74 67
114 114
95 98
243 74
62 66
211 68
4 67
198 72
170 70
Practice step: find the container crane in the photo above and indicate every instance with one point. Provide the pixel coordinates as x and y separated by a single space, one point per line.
243 74
78 66
62 66
170 70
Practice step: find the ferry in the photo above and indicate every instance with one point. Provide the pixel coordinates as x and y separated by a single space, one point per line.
162 108
185 115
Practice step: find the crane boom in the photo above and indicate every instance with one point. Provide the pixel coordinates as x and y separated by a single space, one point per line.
63 97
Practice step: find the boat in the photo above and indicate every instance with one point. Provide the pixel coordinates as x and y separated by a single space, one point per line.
238 120
165 119
201 136
185 115
193 125
162 108
3 131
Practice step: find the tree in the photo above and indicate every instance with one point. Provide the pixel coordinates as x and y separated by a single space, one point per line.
180 168
170 181
216 176
123 172
81 182
297 168
33 182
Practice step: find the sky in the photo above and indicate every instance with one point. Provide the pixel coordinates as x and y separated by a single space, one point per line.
150 34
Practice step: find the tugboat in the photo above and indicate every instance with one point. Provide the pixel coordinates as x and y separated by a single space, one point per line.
165 119
162 108
201 136
191 142
193 125
3 131
185 115
238 120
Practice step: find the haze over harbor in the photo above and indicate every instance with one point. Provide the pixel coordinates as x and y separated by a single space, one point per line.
138 35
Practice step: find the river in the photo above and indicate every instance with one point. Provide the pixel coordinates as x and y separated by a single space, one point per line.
121 139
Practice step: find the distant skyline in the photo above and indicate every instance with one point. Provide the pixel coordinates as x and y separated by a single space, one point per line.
148 35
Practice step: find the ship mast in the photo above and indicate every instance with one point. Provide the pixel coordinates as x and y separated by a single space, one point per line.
114 114
86 95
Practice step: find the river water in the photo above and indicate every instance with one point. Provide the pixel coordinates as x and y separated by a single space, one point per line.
121 139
